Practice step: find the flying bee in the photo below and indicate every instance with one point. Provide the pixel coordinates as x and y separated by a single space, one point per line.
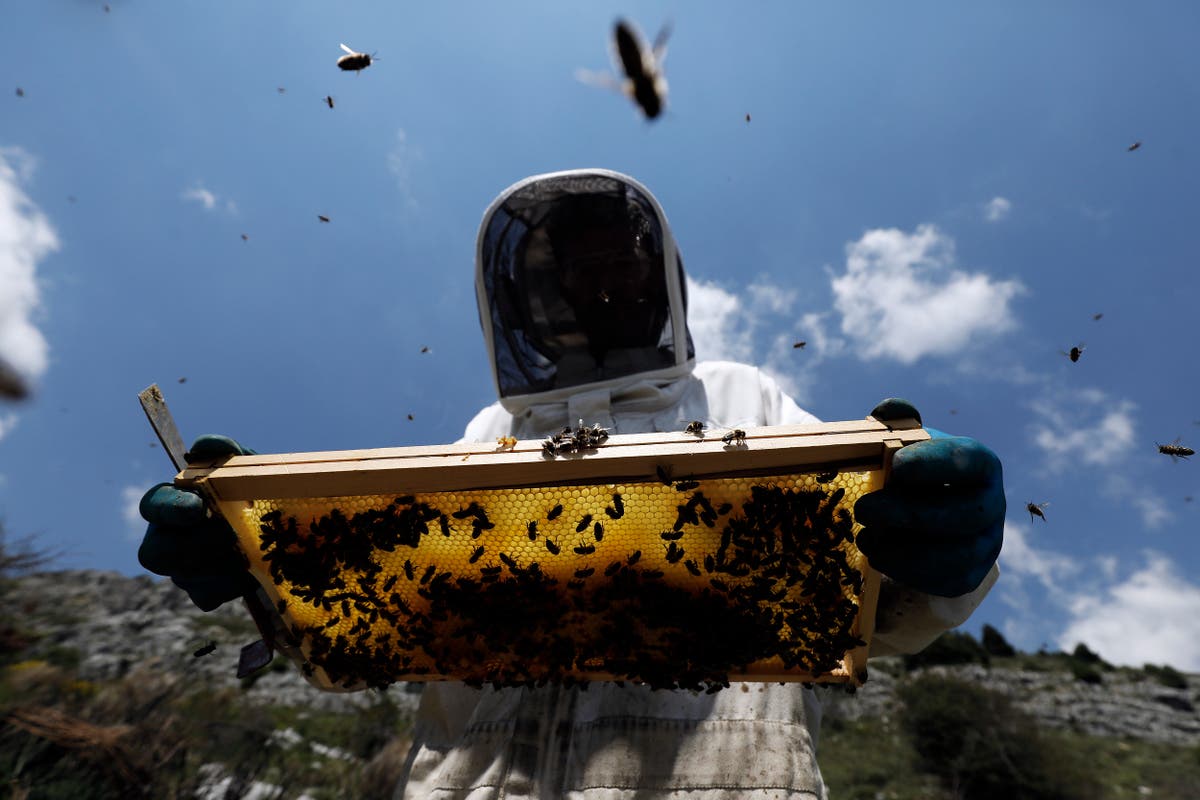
747 118
506 442
1133 146
1035 510
354 61
1074 353
695 427
20 92
644 82
1175 450
322 218
799 345
1096 317
737 436
329 100
205 650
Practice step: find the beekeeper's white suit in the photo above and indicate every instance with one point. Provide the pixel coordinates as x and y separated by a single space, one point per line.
556 363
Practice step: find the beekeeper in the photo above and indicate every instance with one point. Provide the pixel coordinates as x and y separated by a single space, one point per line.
582 301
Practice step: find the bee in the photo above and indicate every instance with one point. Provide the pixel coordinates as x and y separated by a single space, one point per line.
531 529
585 573
444 523
476 555
611 569
1096 317
506 442
687 486
633 557
736 436
695 427
747 118
20 92
508 560
428 573
552 546
799 345
1175 450
671 536
282 90
585 549
826 477
553 513
353 61
664 475
245 238
1133 146
692 567
644 82
281 606
583 523
1035 510
390 582
205 650
674 553
329 100
322 218
1075 352
598 532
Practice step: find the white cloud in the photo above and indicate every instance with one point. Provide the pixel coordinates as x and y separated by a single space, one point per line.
26 237
7 423
1153 616
996 209
727 326
1082 427
1021 559
400 162
720 325
902 298
131 497
203 196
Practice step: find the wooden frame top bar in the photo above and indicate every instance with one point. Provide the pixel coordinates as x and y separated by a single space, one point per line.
406 470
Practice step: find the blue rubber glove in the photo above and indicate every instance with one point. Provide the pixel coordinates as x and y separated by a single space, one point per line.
196 550
938 524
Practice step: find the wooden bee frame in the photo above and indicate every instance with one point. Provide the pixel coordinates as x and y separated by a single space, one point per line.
673 559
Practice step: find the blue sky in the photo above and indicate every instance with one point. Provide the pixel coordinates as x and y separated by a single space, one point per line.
937 197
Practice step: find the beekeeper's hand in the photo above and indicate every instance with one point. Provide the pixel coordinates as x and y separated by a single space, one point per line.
195 549
938 524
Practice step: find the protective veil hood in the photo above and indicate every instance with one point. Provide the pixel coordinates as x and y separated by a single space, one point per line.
580 288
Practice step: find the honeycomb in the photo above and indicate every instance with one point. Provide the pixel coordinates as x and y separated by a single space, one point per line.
678 583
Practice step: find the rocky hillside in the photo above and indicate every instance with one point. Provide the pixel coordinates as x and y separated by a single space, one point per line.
112 623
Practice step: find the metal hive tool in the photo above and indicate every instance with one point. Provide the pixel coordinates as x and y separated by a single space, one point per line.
668 559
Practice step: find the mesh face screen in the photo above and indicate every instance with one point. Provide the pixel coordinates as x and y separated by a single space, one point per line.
675 583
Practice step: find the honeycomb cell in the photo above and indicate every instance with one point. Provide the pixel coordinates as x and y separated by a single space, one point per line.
673 585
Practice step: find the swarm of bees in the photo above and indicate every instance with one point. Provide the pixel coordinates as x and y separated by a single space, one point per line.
1035 510
575 440
1175 450
353 61
642 66
775 578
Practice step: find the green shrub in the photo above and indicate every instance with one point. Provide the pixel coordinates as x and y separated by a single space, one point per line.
995 644
984 748
1084 654
952 647
1167 676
